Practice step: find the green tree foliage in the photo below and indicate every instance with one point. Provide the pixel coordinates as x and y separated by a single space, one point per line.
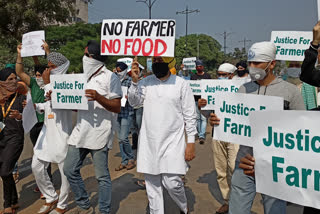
21 16
209 50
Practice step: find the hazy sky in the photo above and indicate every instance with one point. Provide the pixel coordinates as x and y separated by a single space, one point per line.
253 19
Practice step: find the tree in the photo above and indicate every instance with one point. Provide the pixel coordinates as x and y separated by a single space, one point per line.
209 50
21 16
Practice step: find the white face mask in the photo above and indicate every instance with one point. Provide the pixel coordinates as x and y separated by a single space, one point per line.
294 72
258 73
40 82
122 74
90 66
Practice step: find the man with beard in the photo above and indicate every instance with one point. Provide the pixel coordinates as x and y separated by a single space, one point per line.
242 71
169 109
11 136
94 130
51 146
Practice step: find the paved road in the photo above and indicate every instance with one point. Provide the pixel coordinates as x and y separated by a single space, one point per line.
127 198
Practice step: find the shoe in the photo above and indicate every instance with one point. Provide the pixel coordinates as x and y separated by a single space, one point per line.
47 207
224 209
201 141
131 164
79 210
58 211
141 183
42 197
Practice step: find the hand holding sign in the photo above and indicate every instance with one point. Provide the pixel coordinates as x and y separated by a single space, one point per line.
45 47
92 94
135 71
316 34
214 120
247 164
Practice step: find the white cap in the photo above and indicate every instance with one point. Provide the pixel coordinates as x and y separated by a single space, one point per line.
262 52
227 67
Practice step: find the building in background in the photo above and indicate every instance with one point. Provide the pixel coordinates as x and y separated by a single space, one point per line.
81 12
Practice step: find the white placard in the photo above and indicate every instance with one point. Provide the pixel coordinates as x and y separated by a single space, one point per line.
189 63
68 91
31 44
29 117
318 2
287 155
234 109
212 88
291 45
138 37
124 96
195 86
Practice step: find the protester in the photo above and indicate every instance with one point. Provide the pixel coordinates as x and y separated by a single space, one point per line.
36 86
11 136
94 130
242 71
201 119
261 58
310 70
124 121
169 109
52 145
310 74
224 153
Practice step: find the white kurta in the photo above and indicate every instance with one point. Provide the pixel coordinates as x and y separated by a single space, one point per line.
169 109
52 144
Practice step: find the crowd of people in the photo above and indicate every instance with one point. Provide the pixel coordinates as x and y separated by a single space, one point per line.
162 115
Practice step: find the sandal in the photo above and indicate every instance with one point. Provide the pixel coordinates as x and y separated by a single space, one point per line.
131 164
12 212
141 183
47 207
58 211
120 167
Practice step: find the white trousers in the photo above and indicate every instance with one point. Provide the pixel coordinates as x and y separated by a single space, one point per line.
39 170
174 186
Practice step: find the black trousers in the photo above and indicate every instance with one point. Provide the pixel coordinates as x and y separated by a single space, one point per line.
309 210
10 194
34 134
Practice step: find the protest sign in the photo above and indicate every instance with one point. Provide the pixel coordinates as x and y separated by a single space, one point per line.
291 45
138 37
149 65
212 88
195 86
234 110
189 63
68 91
31 44
29 117
127 61
287 155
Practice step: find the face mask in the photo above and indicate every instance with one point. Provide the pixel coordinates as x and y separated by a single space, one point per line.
90 66
242 72
40 82
160 69
294 72
258 73
122 74
223 78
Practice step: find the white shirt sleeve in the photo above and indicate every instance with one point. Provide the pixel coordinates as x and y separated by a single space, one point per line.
136 93
189 112
115 87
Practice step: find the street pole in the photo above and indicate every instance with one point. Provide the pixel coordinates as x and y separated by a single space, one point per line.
149 4
186 12
245 42
225 36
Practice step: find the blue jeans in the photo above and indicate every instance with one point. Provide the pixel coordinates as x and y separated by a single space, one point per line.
123 139
243 191
72 166
201 124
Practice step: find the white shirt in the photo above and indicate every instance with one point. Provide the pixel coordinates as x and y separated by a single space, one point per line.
169 109
52 144
96 126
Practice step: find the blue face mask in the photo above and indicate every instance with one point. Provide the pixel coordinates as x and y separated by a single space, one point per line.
223 78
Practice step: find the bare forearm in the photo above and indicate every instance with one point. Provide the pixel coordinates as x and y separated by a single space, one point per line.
19 70
113 105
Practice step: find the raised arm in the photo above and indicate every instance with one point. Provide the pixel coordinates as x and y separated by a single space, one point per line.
19 67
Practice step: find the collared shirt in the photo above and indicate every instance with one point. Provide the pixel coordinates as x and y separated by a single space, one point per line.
96 126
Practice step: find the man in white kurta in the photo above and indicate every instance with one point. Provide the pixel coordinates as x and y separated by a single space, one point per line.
169 111
51 146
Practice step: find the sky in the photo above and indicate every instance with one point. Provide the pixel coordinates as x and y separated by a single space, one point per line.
250 19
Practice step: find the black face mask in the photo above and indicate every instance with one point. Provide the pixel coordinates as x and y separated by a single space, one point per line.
160 69
242 73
